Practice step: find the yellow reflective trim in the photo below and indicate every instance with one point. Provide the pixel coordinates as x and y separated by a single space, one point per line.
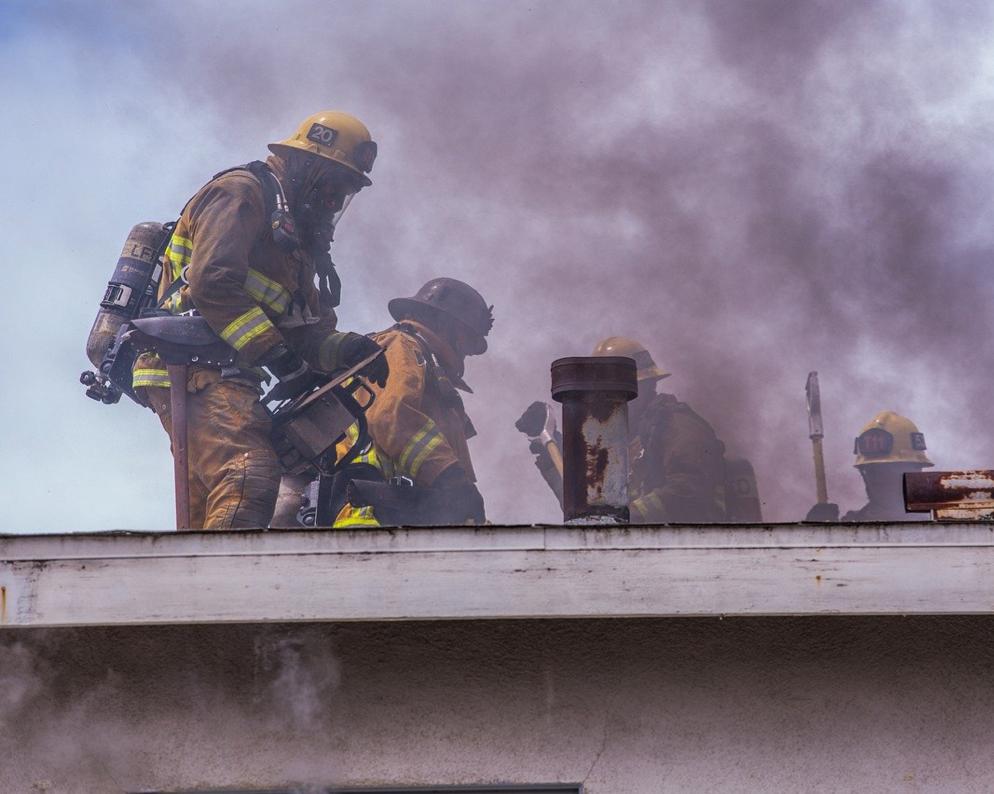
653 500
145 377
649 507
179 252
421 445
350 516
252 333
178 263
415 443
174 303
246 327
179 241
328 352
370 456
402 463
429 447
267 291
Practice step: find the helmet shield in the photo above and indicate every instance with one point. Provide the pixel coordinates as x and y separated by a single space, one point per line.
337 215
874 443
326 192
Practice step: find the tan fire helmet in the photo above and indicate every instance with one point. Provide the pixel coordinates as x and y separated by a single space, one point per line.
623 346
890 438
335 136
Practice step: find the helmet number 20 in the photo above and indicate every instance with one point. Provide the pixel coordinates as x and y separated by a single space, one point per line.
325 136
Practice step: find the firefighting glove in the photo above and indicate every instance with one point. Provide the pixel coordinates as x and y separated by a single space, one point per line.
463 499
294 375
824 512
356 347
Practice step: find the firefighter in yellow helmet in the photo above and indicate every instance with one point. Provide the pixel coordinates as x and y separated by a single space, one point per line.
418 470
250 253
888 446
677 463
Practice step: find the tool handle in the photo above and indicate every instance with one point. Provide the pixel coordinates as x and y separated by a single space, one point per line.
557 457
181 462
820 484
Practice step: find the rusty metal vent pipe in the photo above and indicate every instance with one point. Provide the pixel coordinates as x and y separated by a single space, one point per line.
595 391
951 495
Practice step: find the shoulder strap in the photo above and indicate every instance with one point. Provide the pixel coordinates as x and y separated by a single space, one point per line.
281 221
160 256
436 377
275 203
285 233
431 365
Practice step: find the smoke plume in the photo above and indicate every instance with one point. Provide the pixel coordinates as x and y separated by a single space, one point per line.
753 189
87 710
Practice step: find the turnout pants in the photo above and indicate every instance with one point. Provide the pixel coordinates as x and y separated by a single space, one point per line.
234 471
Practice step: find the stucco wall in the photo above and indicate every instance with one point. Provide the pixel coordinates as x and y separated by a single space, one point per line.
625 706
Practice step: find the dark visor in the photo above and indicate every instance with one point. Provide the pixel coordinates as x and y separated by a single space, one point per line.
874 443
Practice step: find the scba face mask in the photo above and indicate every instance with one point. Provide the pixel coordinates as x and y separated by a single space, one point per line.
323 207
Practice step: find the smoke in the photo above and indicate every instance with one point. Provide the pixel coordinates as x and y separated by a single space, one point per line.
753 189
60 738
89 710
302 676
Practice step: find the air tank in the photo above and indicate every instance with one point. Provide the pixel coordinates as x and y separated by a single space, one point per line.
132 287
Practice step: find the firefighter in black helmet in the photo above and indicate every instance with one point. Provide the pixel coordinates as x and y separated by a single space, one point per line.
418 469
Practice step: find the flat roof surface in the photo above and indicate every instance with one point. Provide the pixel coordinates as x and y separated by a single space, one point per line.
447 573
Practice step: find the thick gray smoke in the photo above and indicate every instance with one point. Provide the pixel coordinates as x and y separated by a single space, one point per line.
70 716
754 189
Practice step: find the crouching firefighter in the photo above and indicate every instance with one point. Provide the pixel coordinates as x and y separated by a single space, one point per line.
418 471
249 254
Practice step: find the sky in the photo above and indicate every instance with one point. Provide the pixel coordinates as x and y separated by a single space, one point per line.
753 189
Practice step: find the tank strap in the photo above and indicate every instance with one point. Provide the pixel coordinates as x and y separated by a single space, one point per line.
276 206
284 229
435 376
430 361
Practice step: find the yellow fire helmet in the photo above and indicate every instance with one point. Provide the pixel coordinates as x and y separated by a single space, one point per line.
890 438
623 346
334 136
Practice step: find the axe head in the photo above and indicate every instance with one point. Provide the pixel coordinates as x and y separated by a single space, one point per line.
538 422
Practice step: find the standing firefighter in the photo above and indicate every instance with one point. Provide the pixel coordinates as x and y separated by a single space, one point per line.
888 446
418 469
246 254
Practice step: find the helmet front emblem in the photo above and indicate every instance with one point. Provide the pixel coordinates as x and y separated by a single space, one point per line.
322 135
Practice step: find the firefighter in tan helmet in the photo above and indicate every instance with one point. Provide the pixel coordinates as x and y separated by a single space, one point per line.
888 446
250 254
418 469
678 469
